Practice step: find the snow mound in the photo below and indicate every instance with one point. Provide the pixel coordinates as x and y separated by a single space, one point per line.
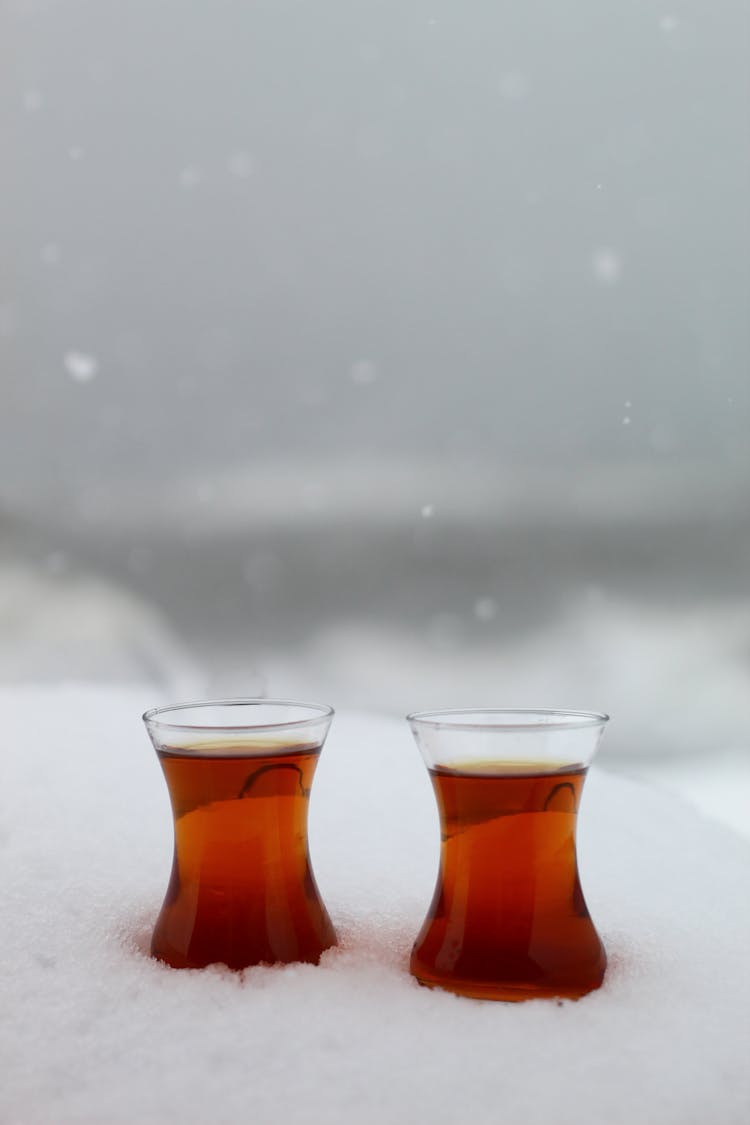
93 1030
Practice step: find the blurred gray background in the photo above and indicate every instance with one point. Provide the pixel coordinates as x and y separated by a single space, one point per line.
396 354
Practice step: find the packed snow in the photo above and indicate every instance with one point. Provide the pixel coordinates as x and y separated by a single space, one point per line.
93 1030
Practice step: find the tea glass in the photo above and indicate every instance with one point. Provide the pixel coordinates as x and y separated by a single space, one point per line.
242 889
508 920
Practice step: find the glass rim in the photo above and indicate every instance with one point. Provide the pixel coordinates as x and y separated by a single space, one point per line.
460 719
319 711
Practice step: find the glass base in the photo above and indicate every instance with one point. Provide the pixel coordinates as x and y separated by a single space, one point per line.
182 959
510 993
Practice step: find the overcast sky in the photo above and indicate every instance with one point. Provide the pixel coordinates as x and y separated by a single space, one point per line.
493 232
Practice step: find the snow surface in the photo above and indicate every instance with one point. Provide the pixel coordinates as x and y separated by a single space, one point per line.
92 1030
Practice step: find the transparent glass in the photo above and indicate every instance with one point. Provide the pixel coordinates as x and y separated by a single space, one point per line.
508 920
242 889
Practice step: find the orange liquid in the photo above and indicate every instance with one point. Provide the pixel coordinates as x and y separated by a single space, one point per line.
508 920
242 890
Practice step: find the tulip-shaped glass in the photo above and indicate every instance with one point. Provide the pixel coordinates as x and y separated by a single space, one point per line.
508 919
242 890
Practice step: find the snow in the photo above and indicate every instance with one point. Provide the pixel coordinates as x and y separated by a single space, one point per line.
92 1030
241 165
81 366
515 86
485 609
59 622
717 784
190 176
363 372
50 254
606 266
33 100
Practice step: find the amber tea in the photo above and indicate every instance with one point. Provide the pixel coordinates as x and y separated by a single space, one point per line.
510 904
242 889
508 920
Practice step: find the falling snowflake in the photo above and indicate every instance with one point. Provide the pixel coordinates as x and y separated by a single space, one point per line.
190 176
668 24
205 492
606 266
50 254
33 100
240 164
81 366
363 372
427 511
514 86
485 609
